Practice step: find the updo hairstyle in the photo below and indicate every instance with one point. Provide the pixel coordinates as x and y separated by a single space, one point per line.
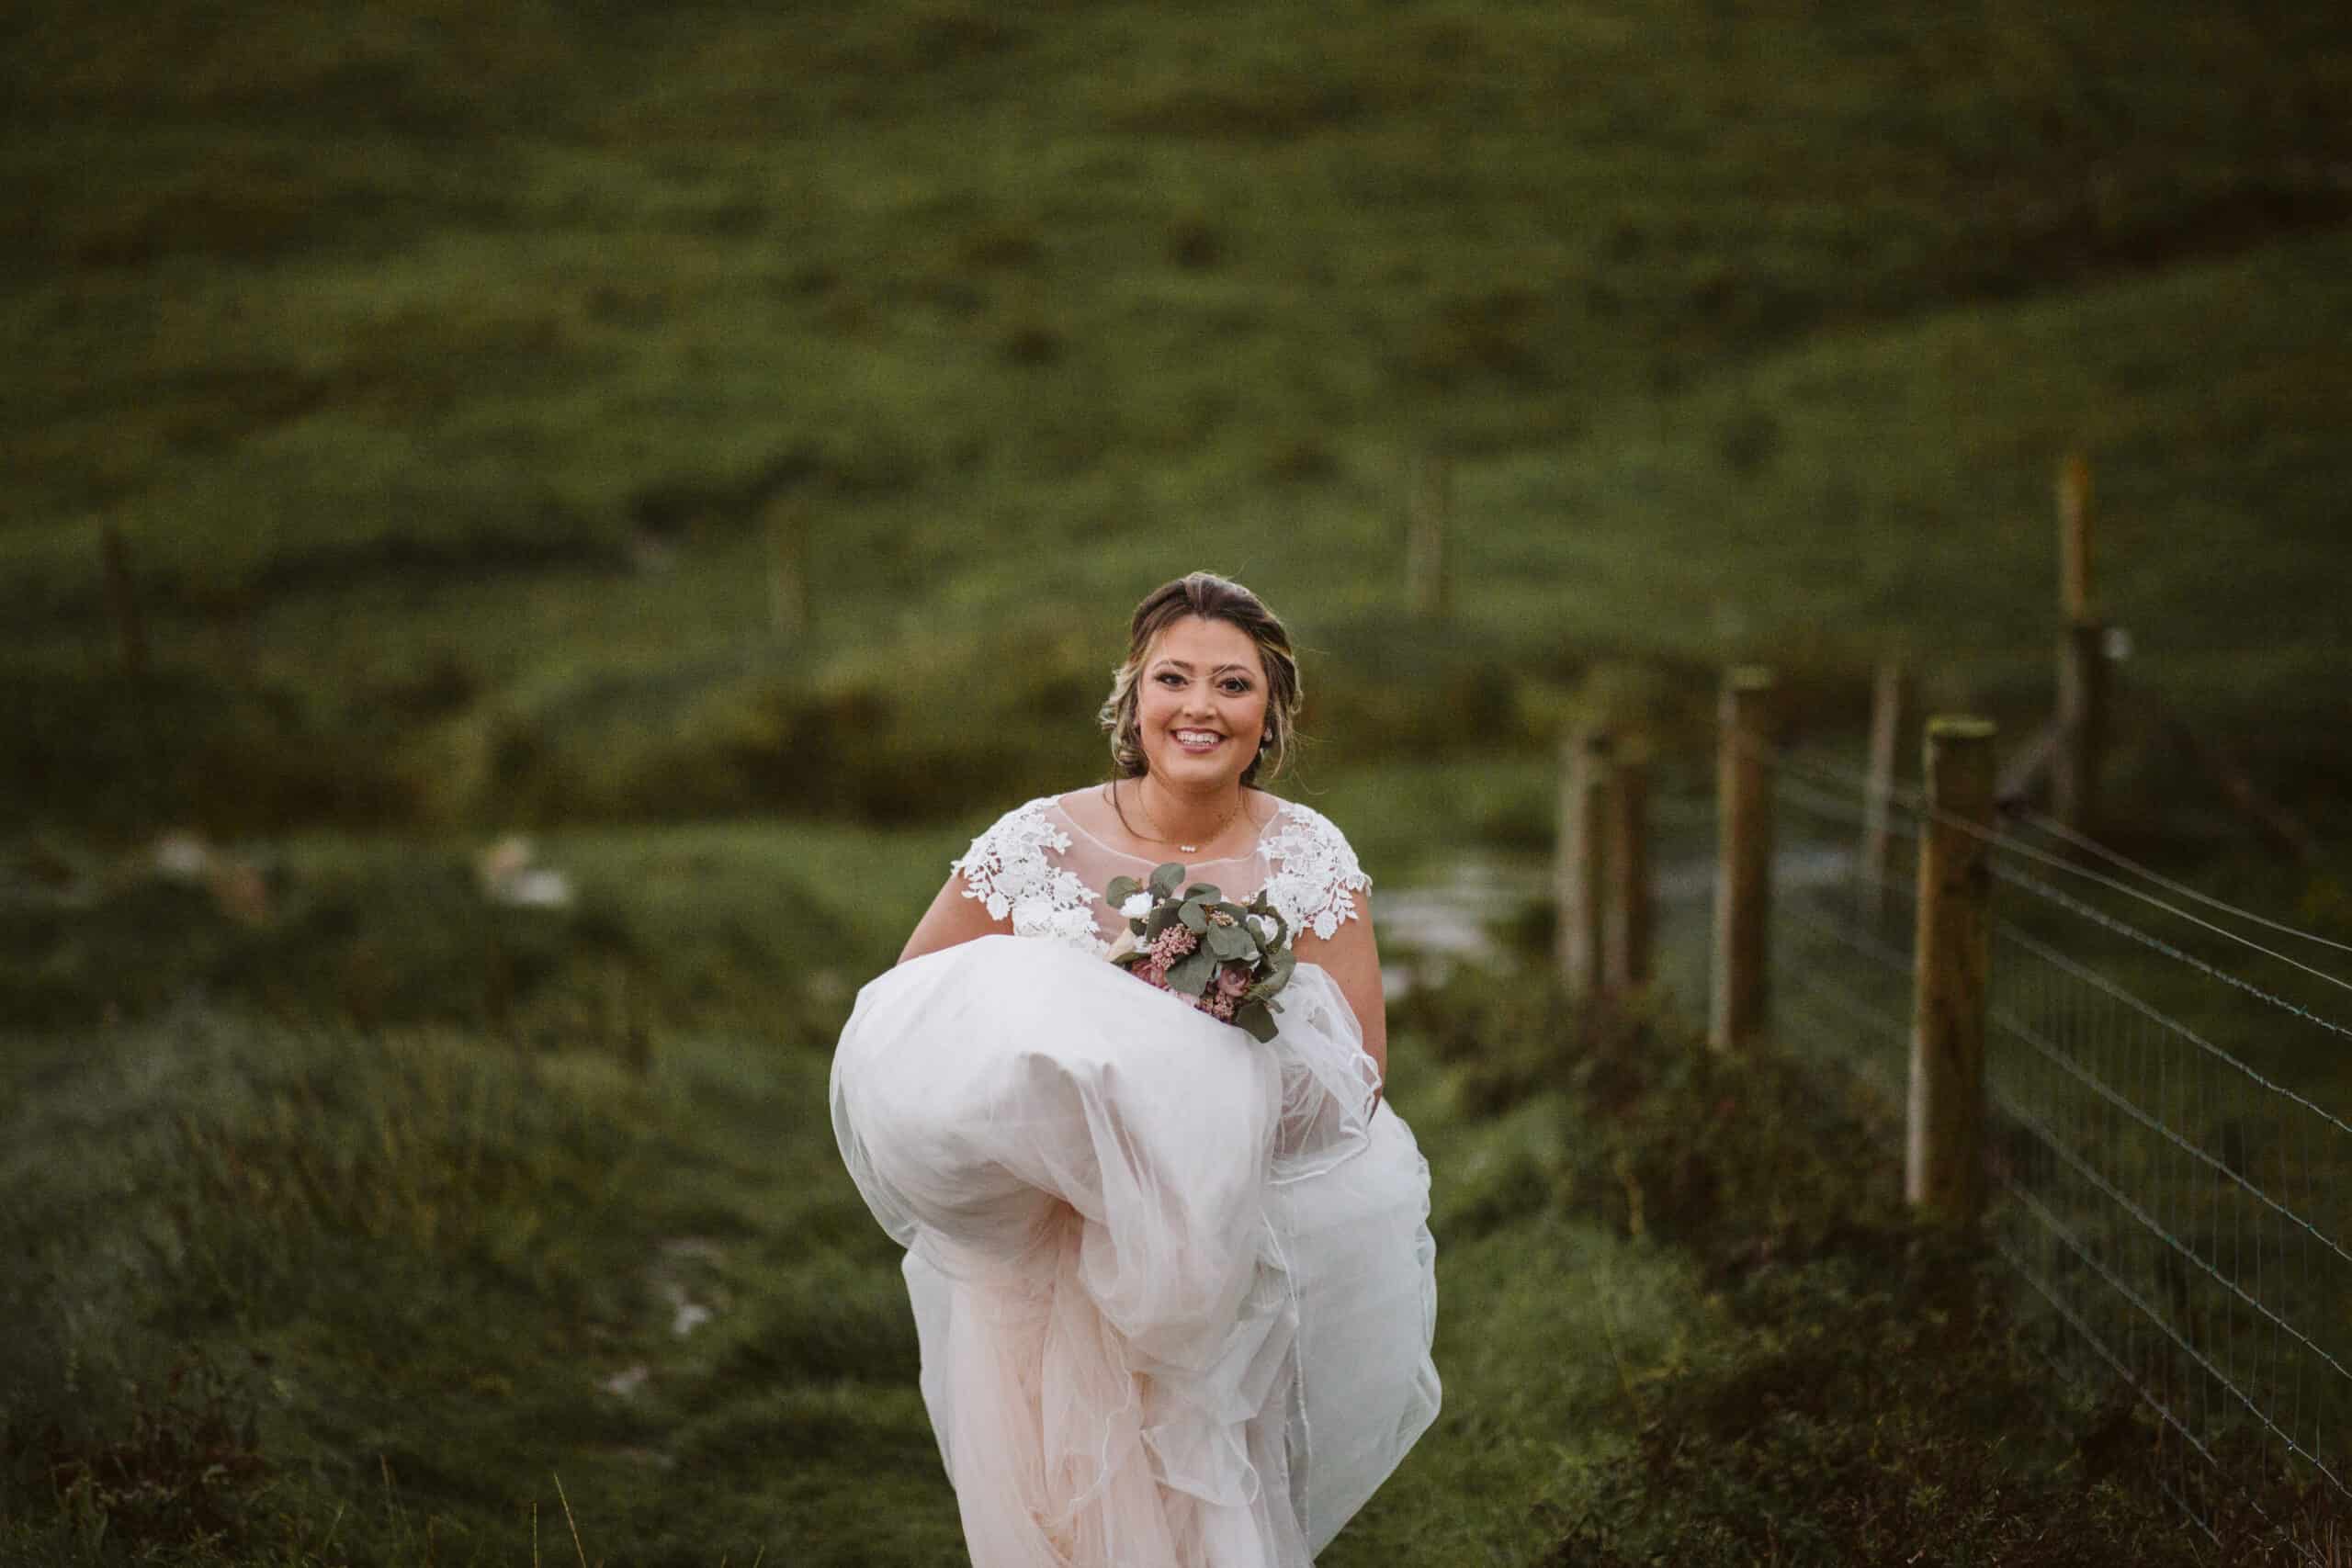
1212 598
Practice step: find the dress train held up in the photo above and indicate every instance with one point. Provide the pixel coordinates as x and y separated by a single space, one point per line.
1174 1289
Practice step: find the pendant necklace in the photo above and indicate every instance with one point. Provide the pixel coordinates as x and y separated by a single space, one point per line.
1210 837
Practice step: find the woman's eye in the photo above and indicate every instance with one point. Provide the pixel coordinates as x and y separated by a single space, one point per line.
1236 687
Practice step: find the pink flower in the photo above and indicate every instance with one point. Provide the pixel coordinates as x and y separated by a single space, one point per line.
1173 943
1162 953
1216 1004
1232 980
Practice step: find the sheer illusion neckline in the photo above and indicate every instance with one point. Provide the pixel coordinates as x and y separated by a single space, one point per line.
1062 805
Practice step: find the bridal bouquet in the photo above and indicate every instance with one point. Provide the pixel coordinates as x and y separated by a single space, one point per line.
1226 959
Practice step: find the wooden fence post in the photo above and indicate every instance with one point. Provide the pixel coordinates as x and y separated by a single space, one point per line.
1626 964
1876 872
1744 871
1944 1154
2082 659
2075 596
2082 726
1584 807
1431 504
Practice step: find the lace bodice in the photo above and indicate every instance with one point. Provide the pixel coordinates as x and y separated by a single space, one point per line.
1038 867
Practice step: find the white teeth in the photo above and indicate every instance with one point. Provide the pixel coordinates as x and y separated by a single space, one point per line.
1198 737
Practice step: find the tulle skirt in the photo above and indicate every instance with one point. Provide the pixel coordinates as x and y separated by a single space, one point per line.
1174 1289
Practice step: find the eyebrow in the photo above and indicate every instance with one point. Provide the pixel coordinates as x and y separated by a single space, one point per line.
1220 669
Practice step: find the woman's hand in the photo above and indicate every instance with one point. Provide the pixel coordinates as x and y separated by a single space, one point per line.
954 917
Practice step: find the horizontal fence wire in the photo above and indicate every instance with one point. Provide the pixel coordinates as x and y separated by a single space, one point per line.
2180 1218
1683 892
2059 830
2011 846
1842 972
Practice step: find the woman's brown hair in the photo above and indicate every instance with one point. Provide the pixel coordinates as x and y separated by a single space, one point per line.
1212 598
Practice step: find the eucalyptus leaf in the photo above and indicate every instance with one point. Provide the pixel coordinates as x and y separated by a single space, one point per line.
1159 920
1193 972
1195 919
1207 892
1167 878
1229 942
1257 1022
1122 888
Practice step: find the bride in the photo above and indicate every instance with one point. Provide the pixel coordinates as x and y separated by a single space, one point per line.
1174 1289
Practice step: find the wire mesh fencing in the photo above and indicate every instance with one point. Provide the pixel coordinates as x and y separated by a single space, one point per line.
2170 1185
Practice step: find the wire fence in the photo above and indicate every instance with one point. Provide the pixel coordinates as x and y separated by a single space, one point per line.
2178 1211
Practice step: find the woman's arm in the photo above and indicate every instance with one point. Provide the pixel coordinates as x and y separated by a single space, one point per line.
954 917
1352 957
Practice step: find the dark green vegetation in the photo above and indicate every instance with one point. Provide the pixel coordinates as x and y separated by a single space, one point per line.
450 374
1867 1387
454 376
335 1294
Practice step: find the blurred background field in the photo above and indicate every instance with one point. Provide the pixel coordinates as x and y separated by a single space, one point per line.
449 374
456 381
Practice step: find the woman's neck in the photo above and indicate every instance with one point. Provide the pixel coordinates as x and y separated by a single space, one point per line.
1189 821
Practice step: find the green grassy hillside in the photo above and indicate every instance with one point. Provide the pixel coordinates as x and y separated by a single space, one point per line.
453 379
449 374
421 1289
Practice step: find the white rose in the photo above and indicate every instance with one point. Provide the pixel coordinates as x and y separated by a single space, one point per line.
1137 906
1263 928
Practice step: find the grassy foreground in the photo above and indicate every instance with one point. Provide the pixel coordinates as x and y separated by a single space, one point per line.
400 1294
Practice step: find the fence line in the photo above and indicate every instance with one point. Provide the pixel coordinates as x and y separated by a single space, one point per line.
2180 1213
2089 1337
1926 810
2044 891
2059 830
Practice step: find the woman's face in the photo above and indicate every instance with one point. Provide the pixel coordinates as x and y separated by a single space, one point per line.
1201 703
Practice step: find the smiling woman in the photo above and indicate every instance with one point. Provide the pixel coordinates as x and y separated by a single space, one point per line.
1200 710
1175 1288
1251 681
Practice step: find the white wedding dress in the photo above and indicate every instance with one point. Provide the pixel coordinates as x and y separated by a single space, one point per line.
1174 1289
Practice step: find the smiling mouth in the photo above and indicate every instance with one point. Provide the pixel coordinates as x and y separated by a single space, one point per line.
1196 740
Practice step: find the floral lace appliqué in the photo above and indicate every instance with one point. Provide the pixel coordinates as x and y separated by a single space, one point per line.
1007 869
1316 874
